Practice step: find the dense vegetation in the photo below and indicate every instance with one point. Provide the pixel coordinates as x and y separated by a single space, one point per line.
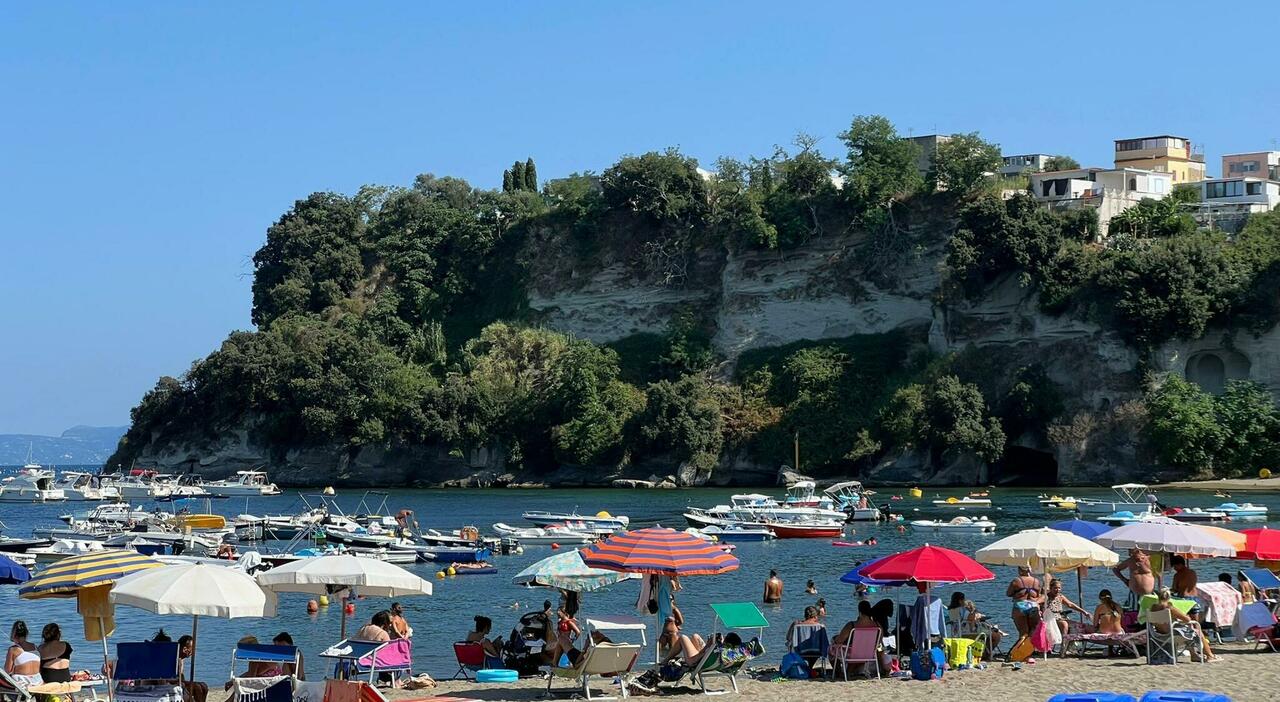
397 316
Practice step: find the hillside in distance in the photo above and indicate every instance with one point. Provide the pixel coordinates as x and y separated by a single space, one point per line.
660 320
79 445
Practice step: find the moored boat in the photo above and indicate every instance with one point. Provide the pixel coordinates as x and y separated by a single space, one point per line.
1195 514
957 525
600 523
1130 497
83 487
1246 510
541 536
740 532
31 484
855 501
247 483
807 529
963 502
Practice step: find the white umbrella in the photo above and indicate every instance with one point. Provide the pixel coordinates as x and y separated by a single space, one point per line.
1162 535
320 575
196 589
567 572
1044 550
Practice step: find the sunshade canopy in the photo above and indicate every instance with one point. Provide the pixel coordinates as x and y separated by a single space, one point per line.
567 572
322 574
1080 527
1045 550
70 575
740 615
929 564
1168 536
855 576
1261 544
195 589
12 572
659 551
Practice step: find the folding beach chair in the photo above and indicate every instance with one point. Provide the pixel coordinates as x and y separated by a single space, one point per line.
470 656
1163 648
271 688
809 641
11 690
276 656
724 660
151 661
863 647
354 658
1267 585
605 659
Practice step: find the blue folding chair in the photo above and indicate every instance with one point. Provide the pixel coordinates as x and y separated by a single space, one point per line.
1267 585
278 656
151 667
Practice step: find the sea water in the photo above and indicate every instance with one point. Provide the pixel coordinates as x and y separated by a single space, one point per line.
446 616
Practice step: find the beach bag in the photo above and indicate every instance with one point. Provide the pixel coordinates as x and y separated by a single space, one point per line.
1022 650
928 665
1040 638
794 667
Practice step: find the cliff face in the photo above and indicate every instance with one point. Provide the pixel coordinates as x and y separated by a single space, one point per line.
826 289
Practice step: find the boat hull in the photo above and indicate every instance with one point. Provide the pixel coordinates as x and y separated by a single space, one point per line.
799 531
1106 508
945 528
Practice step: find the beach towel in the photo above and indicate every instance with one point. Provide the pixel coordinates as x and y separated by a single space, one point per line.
273 689
1040 638
1221 602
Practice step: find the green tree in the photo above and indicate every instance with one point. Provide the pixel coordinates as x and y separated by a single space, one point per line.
1250 422
964 162
530 176
664 188
1154 218
1184 427
683 417
518 177
507 185
880 164
1061 163
802 192
945 415
736 208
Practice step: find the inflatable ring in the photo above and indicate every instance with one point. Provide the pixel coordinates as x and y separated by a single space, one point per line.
496 675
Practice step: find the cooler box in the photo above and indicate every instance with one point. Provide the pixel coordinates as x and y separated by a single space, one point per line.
1092 697
1183 696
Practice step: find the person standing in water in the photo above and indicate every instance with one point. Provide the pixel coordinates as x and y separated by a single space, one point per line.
773 588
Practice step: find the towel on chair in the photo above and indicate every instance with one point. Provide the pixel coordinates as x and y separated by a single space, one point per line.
274 689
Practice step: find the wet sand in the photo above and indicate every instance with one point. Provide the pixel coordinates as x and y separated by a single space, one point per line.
1243 675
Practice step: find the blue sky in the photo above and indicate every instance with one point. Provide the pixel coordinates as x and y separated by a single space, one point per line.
145 147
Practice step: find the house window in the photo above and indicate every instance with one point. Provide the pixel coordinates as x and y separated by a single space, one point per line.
1133 183
1224 188
1253 188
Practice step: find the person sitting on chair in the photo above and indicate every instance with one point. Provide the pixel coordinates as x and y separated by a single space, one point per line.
672 644
192 691
1181 622
22 662
492 649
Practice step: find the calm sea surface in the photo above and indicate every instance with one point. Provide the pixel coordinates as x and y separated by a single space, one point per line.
445 617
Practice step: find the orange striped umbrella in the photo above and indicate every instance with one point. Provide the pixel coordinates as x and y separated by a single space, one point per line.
659 551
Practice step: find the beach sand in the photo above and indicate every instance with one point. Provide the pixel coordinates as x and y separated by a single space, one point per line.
1243 675
1228 484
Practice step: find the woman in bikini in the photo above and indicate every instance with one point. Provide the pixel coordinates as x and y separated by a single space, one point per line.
1025 593
22 661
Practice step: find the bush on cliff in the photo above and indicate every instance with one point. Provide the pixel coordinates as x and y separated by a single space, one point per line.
1234 434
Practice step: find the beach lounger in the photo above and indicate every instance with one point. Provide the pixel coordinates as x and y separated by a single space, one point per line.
1083 636
728 661
1266 583
604 659
1164 648
470 656
863 647
11 691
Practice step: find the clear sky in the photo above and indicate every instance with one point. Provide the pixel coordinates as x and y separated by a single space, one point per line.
145 147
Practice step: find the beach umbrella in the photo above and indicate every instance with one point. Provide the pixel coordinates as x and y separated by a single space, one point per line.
1081 528
89 578
1260 544
1046 550
661 552
195 589
856 577
12 572
566 571
1163 535
928 564
1237 540
324 575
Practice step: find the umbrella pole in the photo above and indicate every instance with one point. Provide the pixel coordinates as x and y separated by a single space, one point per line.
195 624
106 657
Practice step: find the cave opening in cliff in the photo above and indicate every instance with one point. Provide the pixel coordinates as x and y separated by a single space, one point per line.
1027 467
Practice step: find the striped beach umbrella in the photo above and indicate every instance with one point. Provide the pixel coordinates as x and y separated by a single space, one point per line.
659 551
68 577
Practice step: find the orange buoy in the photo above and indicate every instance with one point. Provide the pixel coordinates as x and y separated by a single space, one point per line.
350 608
555 546
312 606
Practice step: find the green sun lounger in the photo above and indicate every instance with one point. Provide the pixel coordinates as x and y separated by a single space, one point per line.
729 661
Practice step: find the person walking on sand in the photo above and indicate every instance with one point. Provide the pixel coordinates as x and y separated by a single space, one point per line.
773 588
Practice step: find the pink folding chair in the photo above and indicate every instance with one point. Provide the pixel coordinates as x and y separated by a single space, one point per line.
394 657
863 647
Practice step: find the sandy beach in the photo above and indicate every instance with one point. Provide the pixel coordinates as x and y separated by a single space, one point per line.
1243 675
1228 484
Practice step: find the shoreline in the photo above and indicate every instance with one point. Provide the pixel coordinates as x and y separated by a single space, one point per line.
1230 484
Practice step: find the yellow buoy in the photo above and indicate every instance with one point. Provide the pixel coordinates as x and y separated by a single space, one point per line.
324 600
1264 473
440 574
917 492
452 571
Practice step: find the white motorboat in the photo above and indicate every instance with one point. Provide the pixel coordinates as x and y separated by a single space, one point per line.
1130 497
1246 510
247 483
804 494
957 525
399 556
31 484
83 487
963 502
1124 516
851 498
1058 502
118 514
344 530
1195 514
541 536
760 510
141 485
65 548
739 532
601 523
182 486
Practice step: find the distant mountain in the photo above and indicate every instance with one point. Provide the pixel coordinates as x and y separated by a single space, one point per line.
78 445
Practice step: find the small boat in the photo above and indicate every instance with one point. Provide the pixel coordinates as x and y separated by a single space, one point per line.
807 530
542 536
65 548
452 554
182 486
855 501
601 523
804 494
247 483
1195 514
1246 510
963 502
1130 497
140 484
31 484
397 556
958 525
739 532
83 487
1058 502
1123 517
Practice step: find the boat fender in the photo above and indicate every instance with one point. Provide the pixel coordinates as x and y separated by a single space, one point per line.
452 571
519 550
324 600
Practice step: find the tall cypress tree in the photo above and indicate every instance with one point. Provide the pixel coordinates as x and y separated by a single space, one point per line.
517 176
530 176
507 185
